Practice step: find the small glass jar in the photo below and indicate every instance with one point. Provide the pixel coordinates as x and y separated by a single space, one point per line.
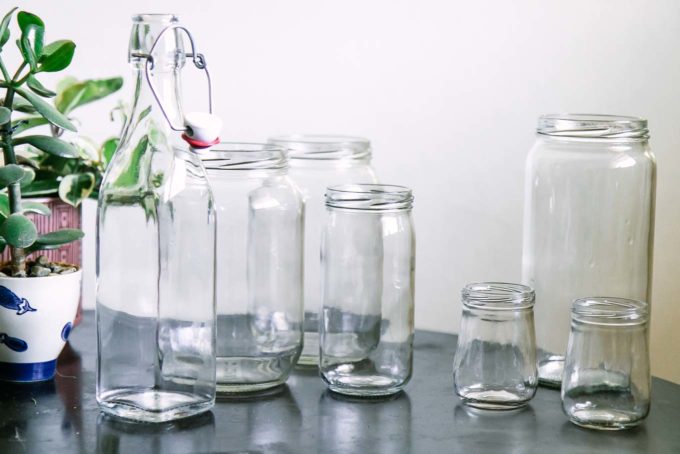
588 221
607 381
316 162
368 263
495 363
259 265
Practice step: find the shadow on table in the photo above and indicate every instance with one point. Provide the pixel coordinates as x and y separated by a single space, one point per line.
380 425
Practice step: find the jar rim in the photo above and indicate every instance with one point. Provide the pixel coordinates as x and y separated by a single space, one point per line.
323 146
593 127
369 197
155 17
498 296
232 156
610 310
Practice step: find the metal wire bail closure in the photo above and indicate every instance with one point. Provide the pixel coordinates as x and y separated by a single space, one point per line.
200 129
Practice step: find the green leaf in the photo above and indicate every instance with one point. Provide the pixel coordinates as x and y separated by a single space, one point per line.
27 52
9 174
18 231
4 206
29 176
28 123
56 56
41 188
27 161
109 148
86 92
21 105
35 207
130 176
4 27
35 85
75 188
50 113
55 239
31 23
5 115
50 145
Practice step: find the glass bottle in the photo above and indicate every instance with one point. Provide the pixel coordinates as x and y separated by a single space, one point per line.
316 162
588 221
155 253
495 363
368 263
259 265
607 381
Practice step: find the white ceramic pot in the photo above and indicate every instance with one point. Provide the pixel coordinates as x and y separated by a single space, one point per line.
36 316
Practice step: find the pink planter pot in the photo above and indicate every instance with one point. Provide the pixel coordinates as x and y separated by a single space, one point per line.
64 216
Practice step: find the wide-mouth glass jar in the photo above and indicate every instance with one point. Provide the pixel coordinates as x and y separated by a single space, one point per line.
588 221
607 379
316 162
495 363
368 286
259 265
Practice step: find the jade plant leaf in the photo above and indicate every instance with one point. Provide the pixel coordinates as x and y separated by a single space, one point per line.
56 56
18 231
50 145
4 206
28 123
5 115
35 207
29 176
31 41
56 239
38 88
21 105
80 93
50 113
75 188
4 27
9 174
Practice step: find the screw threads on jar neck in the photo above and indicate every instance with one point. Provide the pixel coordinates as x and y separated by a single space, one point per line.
324 147
498 296
369 197
593 127
610 311
227 156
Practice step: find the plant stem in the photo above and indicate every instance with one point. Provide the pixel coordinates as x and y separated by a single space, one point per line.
14 189
5 74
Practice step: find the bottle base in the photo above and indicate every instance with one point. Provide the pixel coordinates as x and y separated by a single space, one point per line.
153 406
605 419
249 389
365 386
494 400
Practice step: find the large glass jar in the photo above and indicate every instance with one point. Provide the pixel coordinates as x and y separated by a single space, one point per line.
368 264
155 253
316 162
259 265
588 221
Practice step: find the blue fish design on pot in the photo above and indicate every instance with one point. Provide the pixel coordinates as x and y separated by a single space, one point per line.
13 343
10 300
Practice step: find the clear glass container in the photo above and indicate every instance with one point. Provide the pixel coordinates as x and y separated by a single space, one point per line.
259 265
495 363
607 382
368 263
155 254
316 162
588 221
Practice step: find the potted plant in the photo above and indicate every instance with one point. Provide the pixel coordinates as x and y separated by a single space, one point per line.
38 298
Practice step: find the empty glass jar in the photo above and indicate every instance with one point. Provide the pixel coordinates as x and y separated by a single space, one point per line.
155 252
368 263
316 162
259 265
588 221
495 363
607 381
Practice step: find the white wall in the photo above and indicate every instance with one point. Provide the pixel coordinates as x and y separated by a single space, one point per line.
447 90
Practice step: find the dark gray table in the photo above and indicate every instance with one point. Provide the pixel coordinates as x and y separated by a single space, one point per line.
61 416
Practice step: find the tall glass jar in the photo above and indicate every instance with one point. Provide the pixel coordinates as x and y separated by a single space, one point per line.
588 221
259 265
316 162
368 263
155 253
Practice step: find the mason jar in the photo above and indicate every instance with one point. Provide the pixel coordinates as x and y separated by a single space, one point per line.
607 380
368 263
588 221
316 162
259 265
495 363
